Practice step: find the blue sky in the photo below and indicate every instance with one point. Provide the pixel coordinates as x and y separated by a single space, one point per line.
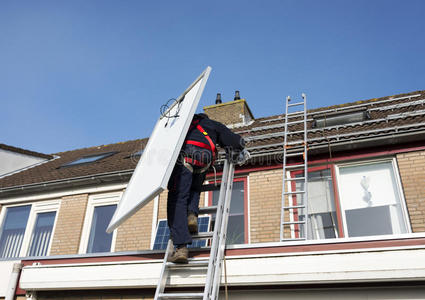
76 74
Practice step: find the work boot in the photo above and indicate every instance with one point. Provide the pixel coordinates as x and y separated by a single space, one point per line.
192 223
179 255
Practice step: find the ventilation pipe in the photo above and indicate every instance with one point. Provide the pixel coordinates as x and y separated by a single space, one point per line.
218 99
13 281
237 96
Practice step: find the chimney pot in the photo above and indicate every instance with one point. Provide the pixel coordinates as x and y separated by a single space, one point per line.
237 96
218 99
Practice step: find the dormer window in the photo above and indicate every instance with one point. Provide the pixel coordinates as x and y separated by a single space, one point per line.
88 159
340 118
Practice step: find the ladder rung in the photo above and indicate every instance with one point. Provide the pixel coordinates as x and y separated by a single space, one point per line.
294 179
208 209
294 132
295 122
295 113
210 187
181 296
190 264
294 193
295 104
293 222
295 167
297 143
203 235
294 207
294 154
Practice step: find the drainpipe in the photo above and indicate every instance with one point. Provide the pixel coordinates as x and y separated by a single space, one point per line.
13 281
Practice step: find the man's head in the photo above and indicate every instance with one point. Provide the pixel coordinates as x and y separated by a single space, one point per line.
200 116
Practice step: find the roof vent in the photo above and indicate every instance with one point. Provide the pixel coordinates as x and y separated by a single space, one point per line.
237 96
218 99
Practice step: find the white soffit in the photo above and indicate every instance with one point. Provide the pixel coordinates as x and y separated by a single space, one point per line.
154 168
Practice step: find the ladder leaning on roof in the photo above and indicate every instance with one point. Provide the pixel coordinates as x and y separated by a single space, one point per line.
294 214
214 262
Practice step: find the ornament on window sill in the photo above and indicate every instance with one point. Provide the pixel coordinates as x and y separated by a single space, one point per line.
367 195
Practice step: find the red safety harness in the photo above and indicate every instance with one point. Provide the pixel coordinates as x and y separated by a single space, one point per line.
210 146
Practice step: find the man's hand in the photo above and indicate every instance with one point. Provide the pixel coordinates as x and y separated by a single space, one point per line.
243 157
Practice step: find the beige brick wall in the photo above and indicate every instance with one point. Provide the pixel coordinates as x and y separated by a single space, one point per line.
135 233
265 205
66 239
162 205
229 112
412 173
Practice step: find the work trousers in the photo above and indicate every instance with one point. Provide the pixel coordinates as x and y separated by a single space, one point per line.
184 189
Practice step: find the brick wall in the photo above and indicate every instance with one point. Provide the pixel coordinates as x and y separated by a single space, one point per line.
265 205
135 233
412 172
66 239
229 112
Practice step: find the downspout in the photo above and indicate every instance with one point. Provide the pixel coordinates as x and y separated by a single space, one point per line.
13 281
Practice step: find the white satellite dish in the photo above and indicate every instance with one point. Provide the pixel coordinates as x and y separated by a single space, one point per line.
154 168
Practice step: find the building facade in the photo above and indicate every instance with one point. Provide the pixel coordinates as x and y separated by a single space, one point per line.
366 214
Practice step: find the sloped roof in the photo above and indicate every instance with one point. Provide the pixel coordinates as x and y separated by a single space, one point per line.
393 115
24 151
53 170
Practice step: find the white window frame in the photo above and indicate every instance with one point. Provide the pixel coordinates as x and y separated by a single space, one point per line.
93 202
403 204
36 208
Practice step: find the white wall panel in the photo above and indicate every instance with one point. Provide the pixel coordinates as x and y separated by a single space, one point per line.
367 266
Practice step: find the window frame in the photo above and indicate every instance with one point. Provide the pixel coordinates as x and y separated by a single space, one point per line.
93 202
340 212
294 232
36 208
399 186
246 205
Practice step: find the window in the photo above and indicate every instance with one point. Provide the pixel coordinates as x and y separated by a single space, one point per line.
42 233
100 240
88 159
322 217
368 201
371 199
13 230
100 209
163 234
237 227
27 229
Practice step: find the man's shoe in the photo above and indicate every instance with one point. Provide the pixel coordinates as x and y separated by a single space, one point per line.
192 223
179 255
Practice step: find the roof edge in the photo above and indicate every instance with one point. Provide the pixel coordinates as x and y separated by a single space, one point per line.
25 152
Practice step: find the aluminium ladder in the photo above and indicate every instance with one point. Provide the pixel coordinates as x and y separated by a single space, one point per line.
294 214
213 264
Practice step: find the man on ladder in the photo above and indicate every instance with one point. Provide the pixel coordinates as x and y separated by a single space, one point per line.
184 187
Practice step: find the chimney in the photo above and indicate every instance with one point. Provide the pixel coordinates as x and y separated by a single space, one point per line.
233 113
218 99
237 96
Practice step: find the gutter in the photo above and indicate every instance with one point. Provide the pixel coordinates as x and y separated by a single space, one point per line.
118 176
